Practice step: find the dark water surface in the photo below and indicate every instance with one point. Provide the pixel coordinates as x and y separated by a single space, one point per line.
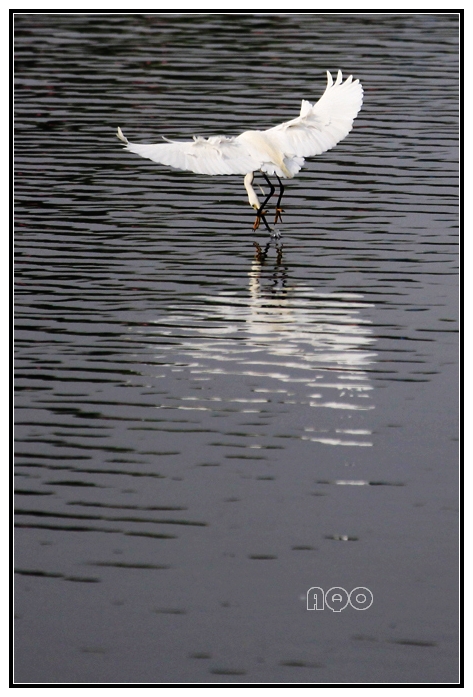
202 437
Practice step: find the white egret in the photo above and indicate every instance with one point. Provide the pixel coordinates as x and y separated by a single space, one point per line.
278 151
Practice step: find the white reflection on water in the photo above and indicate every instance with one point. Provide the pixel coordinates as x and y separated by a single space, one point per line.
298 347
323 333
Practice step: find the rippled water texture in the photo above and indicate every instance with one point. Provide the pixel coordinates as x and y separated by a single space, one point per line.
202 436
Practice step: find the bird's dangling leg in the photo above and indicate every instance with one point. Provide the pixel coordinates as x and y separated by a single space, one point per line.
260 212
260 217
279 210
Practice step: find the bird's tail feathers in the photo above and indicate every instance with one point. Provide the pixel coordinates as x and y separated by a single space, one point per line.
121 137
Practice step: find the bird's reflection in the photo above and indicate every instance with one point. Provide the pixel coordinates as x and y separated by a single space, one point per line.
261 253
319 340
299 320
282 343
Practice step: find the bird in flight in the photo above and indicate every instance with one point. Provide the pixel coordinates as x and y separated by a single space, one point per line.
278 151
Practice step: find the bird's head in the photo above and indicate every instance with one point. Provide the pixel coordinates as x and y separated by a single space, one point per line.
252 197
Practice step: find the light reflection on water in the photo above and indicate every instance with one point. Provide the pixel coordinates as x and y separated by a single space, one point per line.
290 339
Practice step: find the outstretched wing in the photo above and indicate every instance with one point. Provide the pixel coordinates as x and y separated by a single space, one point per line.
320 126
279 150
215 155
